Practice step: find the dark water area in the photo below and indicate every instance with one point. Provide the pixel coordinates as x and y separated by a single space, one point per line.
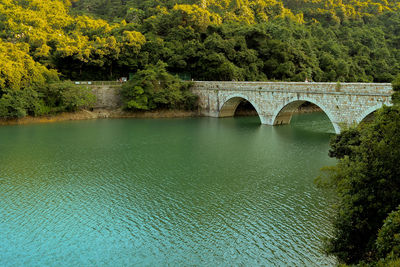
156 192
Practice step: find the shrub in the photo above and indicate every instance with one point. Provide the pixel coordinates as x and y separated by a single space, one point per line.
388 241
154 88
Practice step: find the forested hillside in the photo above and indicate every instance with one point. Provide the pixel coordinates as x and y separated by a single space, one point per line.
209 40
263 39
44 44
290 40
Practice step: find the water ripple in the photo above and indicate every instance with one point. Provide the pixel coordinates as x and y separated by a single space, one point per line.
163 192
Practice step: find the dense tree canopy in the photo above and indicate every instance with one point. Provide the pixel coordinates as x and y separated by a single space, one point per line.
154 87
388 241
368 185
264 39
209 39
367 182
44 43
321 40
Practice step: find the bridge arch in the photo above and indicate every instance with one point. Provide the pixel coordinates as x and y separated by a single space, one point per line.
284 113
368 113
231 103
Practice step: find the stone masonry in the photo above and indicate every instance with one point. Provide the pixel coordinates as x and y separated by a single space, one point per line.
106 92
345 104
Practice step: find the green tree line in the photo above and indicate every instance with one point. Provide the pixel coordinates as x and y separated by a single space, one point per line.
367 182
263 40
43 44
289 40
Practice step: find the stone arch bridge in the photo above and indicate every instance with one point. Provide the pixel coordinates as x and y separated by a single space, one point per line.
345 104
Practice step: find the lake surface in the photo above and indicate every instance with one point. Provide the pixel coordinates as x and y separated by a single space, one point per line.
156 192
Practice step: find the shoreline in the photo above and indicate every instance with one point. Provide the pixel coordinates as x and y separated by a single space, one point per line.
120 114
99 114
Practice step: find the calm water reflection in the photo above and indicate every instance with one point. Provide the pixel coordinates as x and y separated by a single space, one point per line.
197 191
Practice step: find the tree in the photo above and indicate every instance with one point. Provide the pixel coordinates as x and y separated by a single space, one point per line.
367 185
396 89
66 96
154 88
388 241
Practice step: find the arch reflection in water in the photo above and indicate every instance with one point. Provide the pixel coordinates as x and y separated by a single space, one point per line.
284 114
240 106
237 104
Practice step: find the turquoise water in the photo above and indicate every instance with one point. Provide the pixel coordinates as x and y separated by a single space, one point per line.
155 192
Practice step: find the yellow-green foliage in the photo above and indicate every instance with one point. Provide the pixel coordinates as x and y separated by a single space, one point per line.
35 33
197 17
19 70
323 40
253 11
49 29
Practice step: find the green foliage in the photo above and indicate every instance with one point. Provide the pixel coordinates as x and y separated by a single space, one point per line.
345 144
396 83
345 41
389 262
367 184
214 40
66 96
396 89
388 241
19 70
396 97
325 179
154 88
48 99
19 103
321 40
